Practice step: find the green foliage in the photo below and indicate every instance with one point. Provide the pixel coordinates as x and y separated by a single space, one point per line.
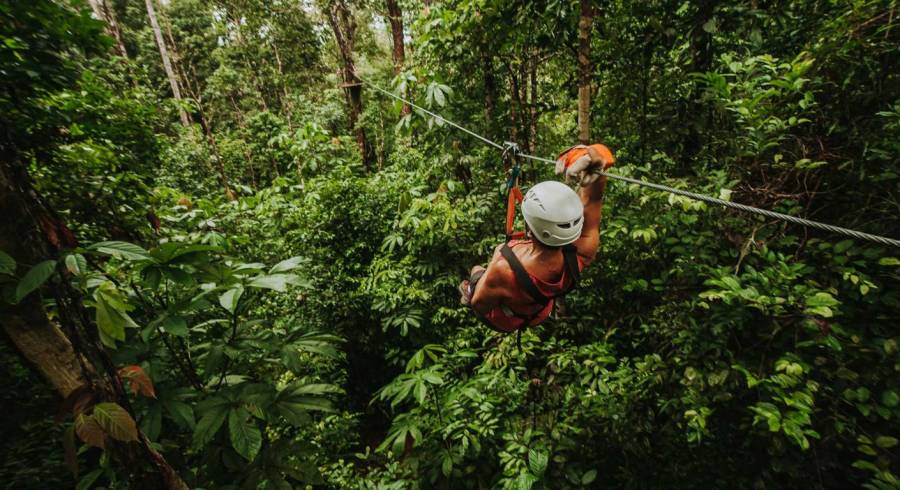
296 315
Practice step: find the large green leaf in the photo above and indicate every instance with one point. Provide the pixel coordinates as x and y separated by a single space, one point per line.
151 422
7 264
111 313
122 250
537 461
209 424
88 480
821 299
296 415
76 264
245 435
525 481
34 278
315 389
116 421
181 413
229 299
288 264
175 252
316 343
278 282
90 431
176 326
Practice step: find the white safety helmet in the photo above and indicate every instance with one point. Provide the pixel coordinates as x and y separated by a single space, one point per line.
554 213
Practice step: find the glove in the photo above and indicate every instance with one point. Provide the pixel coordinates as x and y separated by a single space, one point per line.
579 160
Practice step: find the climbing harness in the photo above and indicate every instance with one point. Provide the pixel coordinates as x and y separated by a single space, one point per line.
660 187
572 273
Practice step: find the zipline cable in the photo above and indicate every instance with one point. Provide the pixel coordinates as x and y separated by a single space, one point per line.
660 187
438 116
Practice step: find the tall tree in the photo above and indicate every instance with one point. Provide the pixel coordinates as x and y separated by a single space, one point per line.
490 90
70 361
106 14
344 28
398 54
167 62
585 24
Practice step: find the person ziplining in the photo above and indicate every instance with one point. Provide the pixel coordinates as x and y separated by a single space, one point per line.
524 277
530 270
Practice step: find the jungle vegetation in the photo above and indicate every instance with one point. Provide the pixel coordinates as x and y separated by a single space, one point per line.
228 262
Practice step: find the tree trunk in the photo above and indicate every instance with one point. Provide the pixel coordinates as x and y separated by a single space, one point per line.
251 67
342 25
514 104
585 24
532 105
395 18
286 104
106 14
167 63
518 108
697 114
490 92
30 232
646 53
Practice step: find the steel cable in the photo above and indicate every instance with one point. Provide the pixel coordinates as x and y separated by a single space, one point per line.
660 187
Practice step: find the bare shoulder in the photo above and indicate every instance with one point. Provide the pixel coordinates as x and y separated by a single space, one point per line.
499 267
499 272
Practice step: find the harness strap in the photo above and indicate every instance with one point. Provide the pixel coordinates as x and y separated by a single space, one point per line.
513 196
522 276
570 255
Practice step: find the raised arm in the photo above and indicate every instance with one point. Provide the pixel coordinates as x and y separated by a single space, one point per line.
578 162
592 198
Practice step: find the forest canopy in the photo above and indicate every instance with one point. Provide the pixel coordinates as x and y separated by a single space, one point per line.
228 260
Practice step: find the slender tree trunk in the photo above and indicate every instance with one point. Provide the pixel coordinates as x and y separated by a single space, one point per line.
30 232
167 63
514 104
697 114
532 104
106 14
178 68
286 104
645 82
518 110
184 81
251 66
585 24
342 25
524 110
247 153
490 91
395 18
